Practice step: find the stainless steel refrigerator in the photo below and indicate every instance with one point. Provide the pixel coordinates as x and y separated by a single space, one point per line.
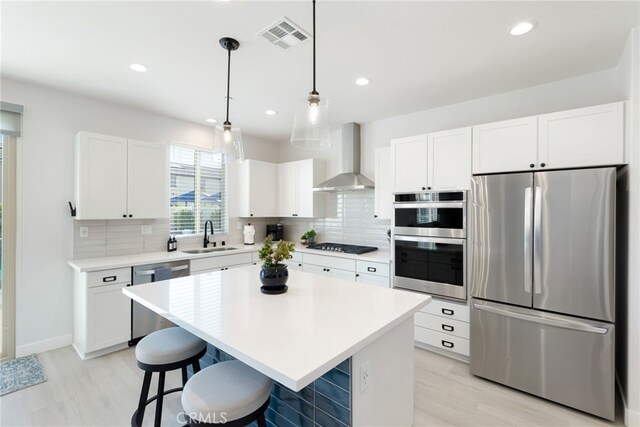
542 284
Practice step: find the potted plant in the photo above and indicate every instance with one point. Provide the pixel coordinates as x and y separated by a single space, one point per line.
274 273
308 238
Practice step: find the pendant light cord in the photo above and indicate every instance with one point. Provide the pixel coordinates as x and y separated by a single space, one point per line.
314 48
228 80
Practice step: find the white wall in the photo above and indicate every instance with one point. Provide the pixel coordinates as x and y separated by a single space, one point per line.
581 91
45 184
629 88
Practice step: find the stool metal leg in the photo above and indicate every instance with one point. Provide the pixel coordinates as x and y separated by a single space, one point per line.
159 400
196 366
261 421
144 394
185 377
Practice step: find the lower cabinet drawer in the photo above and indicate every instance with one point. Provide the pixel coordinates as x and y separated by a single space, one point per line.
441 324
441 340
449 310
109 277
217 262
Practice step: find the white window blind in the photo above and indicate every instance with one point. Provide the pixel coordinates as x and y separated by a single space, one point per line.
198 191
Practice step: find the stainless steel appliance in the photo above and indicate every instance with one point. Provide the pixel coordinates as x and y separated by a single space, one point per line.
542 284
429 243
276 231
343 248
143 320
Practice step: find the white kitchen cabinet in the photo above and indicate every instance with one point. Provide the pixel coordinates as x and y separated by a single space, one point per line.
505 146
383 194
120 178
296 181
409 164
372 279
148 171
449 159
443 326
255 193
102 313
372 273
101 176
584 137
329 271
295 262
220 262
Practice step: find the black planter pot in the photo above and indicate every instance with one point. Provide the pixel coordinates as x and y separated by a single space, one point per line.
274 279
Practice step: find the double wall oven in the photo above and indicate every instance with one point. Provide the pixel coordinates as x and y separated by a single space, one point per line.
429 236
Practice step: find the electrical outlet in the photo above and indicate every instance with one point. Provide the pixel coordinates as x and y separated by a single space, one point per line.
364 376
84 231
146 229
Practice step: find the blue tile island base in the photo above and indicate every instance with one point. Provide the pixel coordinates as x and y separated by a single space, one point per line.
326 402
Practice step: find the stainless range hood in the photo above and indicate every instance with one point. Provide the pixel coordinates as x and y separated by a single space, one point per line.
350 178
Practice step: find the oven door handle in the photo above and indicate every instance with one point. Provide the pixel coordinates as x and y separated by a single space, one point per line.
428 205
429 240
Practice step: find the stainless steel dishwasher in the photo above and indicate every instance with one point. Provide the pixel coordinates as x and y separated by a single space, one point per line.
143 320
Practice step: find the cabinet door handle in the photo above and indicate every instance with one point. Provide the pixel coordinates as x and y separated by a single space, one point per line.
532 165
357 275
423 188
124 215
299 265
428 188
447 312
447 344
109 279
447 328
130 216
375 216
294 214
543 165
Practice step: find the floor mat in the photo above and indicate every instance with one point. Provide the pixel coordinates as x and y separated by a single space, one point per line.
20 373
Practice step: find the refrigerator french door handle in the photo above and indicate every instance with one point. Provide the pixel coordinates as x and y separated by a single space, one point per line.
528 274
566 324
537 240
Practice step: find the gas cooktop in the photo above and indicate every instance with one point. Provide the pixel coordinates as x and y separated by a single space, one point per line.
339 247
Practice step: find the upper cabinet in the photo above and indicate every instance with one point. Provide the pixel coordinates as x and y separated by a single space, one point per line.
409 164
506 146
120 178
255 189
591 136
262 189
383 194
449 159
584 137
437 161
296 181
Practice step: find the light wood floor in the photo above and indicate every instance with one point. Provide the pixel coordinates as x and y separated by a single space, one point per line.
104 392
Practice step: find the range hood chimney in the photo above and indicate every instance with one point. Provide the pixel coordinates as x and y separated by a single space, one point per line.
350 178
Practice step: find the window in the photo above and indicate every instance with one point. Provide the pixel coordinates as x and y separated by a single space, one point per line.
198 191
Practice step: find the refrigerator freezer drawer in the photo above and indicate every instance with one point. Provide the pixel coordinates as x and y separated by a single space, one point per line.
560 358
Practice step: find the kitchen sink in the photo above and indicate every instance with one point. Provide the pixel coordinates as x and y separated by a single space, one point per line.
207 250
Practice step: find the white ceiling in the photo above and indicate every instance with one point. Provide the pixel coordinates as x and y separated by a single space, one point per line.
419 55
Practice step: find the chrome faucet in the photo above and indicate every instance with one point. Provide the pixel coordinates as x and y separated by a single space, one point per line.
206 238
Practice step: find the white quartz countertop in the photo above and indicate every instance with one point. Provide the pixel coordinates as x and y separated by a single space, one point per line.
293 338
108 262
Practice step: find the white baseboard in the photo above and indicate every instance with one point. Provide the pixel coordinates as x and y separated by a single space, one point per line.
44 345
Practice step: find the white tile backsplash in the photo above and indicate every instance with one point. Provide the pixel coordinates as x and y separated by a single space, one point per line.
348 219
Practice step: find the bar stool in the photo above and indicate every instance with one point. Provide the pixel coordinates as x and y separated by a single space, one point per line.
228 393
162 351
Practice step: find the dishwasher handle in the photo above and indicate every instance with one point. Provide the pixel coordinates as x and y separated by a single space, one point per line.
152 272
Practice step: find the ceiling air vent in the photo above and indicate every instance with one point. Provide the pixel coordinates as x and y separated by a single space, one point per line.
284 33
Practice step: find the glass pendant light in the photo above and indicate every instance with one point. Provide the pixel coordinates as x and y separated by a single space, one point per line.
227 139
311 127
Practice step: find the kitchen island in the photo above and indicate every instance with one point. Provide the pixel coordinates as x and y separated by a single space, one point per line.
341 353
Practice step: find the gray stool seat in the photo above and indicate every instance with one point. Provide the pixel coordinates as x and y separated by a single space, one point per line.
168 345
232 388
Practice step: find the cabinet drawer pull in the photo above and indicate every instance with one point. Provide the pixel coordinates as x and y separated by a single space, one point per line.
447 344
109 279
371 269
447 311
447 328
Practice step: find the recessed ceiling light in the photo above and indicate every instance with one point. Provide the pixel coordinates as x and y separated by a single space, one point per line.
522 28
139 68
212 121
271 112
363 81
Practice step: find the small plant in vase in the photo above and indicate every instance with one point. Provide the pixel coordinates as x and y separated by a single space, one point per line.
274 273
308 238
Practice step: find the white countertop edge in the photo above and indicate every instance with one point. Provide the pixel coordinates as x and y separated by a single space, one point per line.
119 261
295 384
